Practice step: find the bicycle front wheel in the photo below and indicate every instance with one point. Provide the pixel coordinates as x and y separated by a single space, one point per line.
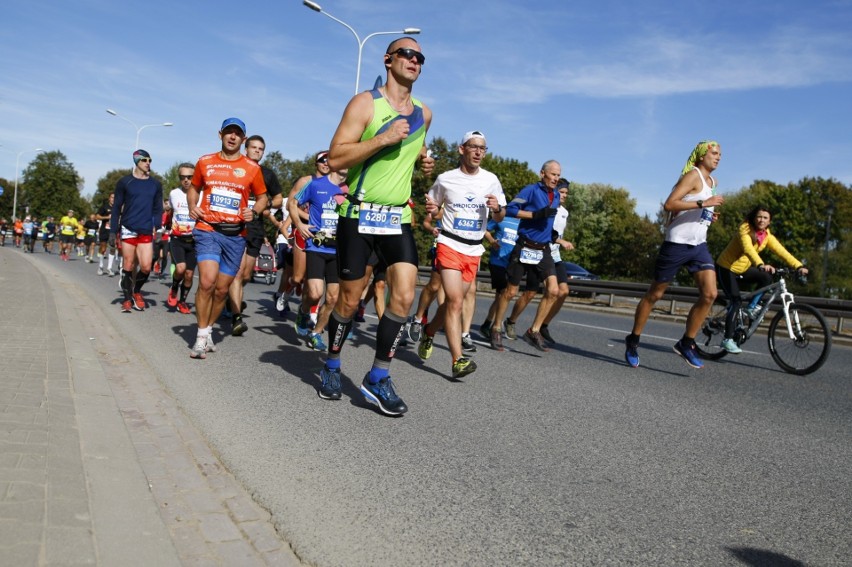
808 350
708 343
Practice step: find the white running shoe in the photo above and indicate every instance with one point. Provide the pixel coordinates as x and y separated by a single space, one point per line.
199 350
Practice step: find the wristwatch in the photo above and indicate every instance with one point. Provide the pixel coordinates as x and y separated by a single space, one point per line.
700 203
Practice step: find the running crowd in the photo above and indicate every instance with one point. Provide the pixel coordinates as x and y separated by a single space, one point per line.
344 236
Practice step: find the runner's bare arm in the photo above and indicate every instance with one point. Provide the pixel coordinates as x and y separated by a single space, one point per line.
347 149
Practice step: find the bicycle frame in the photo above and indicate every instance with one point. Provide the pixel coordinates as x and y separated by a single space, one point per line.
774 290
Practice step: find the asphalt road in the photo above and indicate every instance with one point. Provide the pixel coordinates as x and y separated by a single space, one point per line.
562 458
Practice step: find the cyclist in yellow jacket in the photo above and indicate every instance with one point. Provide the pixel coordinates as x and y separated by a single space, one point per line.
740 262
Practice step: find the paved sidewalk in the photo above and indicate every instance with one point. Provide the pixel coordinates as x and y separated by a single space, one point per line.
98 465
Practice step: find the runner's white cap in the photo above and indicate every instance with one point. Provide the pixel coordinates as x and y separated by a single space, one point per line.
471 135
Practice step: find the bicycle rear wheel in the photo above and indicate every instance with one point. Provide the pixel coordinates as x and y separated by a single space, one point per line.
708 343
808 351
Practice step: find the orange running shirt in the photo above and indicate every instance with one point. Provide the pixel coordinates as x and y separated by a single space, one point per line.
225 187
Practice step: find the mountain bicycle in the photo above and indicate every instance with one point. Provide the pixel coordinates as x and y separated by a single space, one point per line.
799 337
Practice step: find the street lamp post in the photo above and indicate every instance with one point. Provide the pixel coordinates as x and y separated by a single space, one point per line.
18 165
829 210
138 128
317 8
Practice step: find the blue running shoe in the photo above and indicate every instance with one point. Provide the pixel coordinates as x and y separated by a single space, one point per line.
330 389
315 342
302 321
631 354
689 354
383 395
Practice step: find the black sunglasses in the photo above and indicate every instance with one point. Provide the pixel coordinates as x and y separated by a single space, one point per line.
185 177
408 53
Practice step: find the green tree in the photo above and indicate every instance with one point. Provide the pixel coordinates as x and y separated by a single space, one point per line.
287 170
106 186
7 198
609 237
51 186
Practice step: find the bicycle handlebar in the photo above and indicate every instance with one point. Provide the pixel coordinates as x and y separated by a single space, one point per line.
800 277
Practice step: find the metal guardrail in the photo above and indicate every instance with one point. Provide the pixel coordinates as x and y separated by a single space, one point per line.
839 309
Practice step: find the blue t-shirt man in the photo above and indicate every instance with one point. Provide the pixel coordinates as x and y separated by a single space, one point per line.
506 233
323 197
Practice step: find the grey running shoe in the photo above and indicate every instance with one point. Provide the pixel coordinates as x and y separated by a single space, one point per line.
211 347
535 340
199 350
497 340
510 330
415 330
383 395
467 344
330 389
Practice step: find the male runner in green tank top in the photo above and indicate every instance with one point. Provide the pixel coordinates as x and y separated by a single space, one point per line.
380 137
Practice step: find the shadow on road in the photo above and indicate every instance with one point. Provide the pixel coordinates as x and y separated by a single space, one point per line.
763 558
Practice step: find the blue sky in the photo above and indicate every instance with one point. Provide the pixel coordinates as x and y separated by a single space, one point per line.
618 92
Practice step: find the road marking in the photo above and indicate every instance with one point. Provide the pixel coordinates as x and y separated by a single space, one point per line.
608 329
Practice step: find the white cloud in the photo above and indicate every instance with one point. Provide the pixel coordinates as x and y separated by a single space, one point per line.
662 65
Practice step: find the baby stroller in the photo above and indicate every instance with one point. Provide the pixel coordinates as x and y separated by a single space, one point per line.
265 267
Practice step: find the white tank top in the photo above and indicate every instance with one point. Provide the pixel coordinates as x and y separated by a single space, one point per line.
690 227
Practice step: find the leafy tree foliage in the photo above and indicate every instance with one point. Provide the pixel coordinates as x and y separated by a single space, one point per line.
7 198
51 186
610 239
106 185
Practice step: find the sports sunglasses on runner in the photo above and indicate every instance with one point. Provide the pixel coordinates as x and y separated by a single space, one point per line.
408 53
